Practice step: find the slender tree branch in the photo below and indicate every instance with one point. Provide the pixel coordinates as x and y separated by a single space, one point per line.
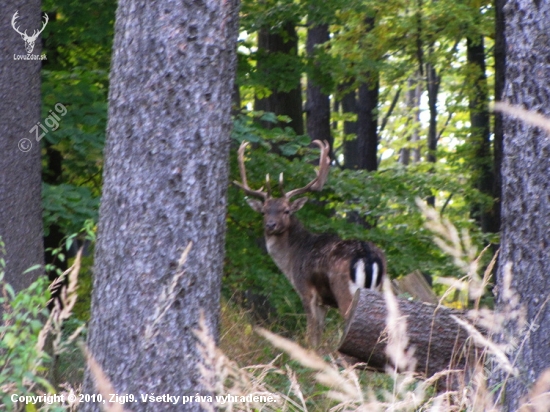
390 111
445 204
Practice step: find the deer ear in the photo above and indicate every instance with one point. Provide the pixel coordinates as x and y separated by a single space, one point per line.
255 204
298 204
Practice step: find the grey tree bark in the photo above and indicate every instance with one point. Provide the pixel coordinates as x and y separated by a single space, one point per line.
165 179
526 192
20 164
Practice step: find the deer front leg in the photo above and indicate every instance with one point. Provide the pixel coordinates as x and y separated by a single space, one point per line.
315 313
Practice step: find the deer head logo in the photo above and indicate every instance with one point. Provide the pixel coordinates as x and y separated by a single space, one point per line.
29 40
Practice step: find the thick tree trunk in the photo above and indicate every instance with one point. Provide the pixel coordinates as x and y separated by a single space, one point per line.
165 179
367 125
351 154
367 115
438 341
362 152
480 135
288 103
20 164
318 103
525 240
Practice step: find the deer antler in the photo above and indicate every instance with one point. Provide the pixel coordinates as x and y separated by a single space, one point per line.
260 193
322 174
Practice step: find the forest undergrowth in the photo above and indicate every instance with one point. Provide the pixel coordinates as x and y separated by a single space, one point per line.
252 361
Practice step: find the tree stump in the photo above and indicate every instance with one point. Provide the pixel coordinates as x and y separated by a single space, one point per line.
415 284
439 342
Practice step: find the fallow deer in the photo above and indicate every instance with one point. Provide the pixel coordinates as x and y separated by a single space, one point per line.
324 269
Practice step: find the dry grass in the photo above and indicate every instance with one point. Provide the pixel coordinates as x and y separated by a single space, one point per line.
222 376
529 117
102 382
61 311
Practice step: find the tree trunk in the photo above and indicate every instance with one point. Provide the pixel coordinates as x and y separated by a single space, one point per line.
367 125
20 163
318 103
525 240
351 154
414 93
362 151
437 338
165 179
480 133
432 84
500 68
367 115
280 102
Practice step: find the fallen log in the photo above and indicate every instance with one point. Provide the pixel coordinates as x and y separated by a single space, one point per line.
439 342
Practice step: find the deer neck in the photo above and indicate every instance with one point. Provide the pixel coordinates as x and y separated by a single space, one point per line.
285 248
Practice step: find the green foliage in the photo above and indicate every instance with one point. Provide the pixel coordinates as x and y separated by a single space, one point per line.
22 358
68 206
78 41
80 34
81 133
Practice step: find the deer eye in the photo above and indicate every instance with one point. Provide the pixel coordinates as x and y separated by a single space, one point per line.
286 212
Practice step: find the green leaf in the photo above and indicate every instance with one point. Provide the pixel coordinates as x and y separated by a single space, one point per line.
35 267
10 340
69 241
303 140
289 149
10 290
269 117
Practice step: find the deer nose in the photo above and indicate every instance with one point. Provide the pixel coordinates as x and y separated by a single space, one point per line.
270 225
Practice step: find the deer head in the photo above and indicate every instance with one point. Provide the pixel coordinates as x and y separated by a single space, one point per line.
277 211
29 40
